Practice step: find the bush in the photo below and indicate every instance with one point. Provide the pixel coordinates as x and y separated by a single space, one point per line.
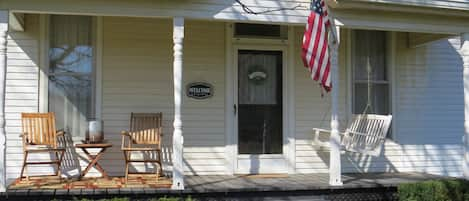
435 190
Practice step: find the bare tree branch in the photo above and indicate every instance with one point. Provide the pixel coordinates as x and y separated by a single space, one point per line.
250 11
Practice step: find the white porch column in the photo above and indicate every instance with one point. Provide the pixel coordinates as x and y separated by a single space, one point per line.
465 58
178 140
334 162
3 66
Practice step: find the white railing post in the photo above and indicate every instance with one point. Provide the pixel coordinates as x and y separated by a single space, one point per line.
465 58
178 139
335 163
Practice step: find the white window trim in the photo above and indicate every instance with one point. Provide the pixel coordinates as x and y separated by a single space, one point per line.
44 63
99 69
391 70
44 23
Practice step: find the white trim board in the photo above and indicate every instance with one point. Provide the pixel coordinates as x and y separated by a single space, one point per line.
229 101
44 63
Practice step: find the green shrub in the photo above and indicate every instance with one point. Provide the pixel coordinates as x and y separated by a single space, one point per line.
435 190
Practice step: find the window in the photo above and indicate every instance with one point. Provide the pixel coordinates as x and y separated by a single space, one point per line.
268 31
371 86
71 72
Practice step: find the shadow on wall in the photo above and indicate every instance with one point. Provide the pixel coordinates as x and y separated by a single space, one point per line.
429 114
21 89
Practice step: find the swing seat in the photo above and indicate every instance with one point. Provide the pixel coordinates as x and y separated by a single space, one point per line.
366 135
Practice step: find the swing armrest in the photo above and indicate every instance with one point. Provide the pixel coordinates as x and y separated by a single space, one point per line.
348 132
322 132
318 131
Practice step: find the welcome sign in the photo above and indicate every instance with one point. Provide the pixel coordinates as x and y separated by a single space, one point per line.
199 90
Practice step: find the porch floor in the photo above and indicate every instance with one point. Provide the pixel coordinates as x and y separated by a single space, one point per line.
53 182
298 182
141 185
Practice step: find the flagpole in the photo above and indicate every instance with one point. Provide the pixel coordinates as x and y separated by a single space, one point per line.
321 59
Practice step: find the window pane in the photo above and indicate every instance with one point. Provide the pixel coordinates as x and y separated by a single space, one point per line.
71 49
257 74
71 72
379 99
70 100
369 55
260 31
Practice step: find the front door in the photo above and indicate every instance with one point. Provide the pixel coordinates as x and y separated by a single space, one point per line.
260 109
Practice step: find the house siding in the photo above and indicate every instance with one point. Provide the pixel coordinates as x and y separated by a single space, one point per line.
137 77
430 106
429 113
22 92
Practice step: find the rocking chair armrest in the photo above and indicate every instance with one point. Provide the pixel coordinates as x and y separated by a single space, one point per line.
24 137
124 143
126 133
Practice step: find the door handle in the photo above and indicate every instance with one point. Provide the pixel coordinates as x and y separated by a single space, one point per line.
234 109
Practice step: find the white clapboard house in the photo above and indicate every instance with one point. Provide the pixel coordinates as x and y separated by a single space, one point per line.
229 80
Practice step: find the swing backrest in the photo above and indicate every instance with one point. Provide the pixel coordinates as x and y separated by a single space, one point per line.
367 133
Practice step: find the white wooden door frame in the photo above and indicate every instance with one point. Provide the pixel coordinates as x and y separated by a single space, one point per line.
285 112
287 47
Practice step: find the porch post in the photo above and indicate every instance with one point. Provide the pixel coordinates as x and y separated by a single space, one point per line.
3 66
465 59
334 164
178 140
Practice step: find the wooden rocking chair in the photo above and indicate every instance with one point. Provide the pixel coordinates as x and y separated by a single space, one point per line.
40 136
144 136
366 134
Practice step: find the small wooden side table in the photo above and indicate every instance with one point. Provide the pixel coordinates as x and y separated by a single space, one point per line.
94 158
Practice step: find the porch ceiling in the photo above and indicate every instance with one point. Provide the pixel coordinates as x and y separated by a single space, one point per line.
390 20
363 14
450 17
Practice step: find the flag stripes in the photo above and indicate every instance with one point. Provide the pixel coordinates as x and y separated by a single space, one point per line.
315 49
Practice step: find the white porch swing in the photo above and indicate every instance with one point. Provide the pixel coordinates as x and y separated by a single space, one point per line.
365 134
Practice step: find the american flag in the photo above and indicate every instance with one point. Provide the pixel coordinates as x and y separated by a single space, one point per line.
315 51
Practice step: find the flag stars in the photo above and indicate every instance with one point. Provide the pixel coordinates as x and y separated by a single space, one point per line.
318 7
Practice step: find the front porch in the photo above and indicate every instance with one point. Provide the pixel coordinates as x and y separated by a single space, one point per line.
233 186
135 71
